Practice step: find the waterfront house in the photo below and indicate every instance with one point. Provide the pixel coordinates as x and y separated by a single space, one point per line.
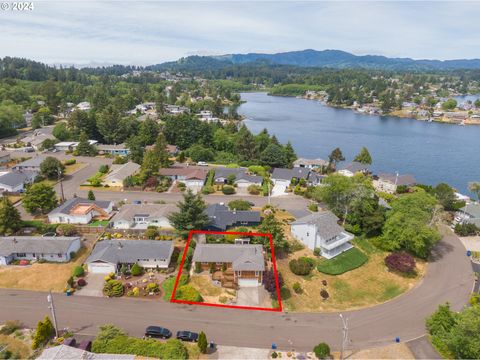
242 178
389 182
191 177
222 218
16 181
114 150
309 163
108 256
285 176
321 230
234 265
81 211
353 168
141 216
119 172
84 106
470 213
50 248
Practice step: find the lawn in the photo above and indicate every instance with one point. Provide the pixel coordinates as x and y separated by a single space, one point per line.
364 286
342 263
99 223
40 277
169 284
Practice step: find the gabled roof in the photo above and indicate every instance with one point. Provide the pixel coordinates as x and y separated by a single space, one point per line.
400 180
130 251
73 203
152 211
245 257
121 172
221 217
65 352
35 244
15 178
189 173
103 147
354 167
289 174
33 162
325 223
240 174
314 162
472 209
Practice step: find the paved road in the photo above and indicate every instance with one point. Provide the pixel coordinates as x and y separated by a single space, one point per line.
449 278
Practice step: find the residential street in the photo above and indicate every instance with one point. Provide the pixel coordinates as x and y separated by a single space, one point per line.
449 278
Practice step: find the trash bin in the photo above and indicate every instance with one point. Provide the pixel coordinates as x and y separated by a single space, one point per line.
68 292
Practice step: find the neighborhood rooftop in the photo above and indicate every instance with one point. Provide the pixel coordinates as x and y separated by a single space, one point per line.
35 244
289 174
130 251
354 167
70 205
398 180
189 173
122 171
129 211
33 162
325 221
16 177
221 217
243 257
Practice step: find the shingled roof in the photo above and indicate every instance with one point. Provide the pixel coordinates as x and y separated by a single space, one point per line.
70 204
35 244
325 223
244 257
221 217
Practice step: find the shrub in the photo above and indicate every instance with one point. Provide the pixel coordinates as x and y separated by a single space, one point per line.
269 281
317 251
169 283
188 293
66 230
136 270
285 293
78 271
10 327
254 189
81 282
301 266
151 233
113 288
198 267
313 207
103 169
239 205
324 294
44 332
401 262
208 190
274 355
322 351
228 190
466 229
152 288
297 288
202 342
70 162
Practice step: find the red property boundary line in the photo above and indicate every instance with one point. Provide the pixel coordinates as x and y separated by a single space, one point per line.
190 234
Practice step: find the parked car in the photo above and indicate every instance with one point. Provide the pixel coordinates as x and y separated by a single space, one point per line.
202 163
70 342
158 332
187 336
85 345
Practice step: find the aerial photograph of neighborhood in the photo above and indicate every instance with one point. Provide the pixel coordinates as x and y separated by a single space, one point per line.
224 179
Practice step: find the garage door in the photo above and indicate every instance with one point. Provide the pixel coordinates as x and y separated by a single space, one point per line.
247 282
101 268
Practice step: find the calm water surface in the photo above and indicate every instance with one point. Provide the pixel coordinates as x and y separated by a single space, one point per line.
432 152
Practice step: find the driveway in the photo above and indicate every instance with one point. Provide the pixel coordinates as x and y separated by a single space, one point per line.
253 296
94 285
279 189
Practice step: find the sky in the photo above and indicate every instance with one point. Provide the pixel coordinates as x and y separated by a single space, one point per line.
143 33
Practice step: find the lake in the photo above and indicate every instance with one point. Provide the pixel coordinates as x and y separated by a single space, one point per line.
432 152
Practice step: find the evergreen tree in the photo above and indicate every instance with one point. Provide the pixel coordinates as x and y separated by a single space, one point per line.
84 148
192 214
274 156
52 168
245 144
161 152
364 157
202 342
10 220
40 197
91 195
336 156
290 154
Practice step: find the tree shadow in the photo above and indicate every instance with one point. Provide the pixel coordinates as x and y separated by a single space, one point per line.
440 250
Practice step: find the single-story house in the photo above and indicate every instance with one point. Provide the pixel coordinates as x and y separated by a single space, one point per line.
141 216
4 157
222 218
388 182
244 264
115 150
63 352
81 211
173 150
242 178
109 255
470 213
315 178
71 145
15 181
118 173
36 140
321 230
187 175
309 163
285 176
32 164
353 168
51 248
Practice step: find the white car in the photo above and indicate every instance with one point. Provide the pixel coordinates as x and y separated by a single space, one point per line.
202 163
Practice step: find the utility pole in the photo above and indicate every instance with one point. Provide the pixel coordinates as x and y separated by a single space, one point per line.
268 182
51 306
61 183
344 334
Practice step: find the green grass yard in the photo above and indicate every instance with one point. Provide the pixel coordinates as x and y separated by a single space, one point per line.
344 262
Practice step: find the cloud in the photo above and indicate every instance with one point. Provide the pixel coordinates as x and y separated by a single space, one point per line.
153 32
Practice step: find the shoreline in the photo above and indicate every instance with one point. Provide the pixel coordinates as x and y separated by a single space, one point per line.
397 113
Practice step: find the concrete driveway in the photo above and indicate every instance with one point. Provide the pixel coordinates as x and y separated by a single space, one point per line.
94 285
253 296
279 189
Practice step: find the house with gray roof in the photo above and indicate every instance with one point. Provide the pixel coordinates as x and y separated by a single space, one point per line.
4 157
118 173
32 164
234 264
81 211
389 182
141 216
353 168
284 174
222 218
49 248
321 230
65 352
242 178
309 163
470 213
15 181
110 255
114 150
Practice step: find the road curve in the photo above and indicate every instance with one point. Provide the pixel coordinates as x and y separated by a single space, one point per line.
449 278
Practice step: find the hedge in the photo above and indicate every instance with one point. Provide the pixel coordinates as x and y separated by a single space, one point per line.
342 263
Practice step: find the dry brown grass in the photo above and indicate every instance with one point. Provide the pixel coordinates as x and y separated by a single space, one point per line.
40 277
368 285
16 346
70 169
210 293
394 351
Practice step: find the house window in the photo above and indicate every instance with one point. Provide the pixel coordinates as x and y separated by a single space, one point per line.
59 255
219 263
21 255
